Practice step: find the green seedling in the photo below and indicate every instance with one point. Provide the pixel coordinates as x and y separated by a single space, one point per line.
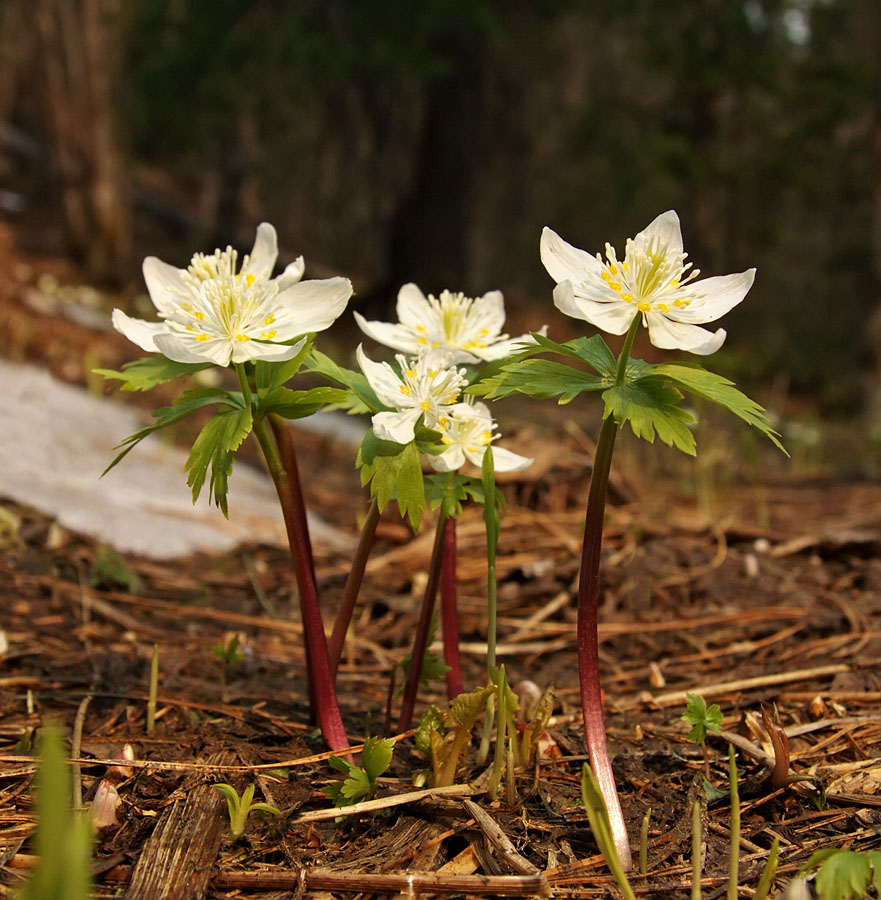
360 783
229 654
153 692
241 807
844 874
110 568
703 720
63 837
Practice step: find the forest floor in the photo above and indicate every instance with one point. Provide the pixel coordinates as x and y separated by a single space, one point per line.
771 602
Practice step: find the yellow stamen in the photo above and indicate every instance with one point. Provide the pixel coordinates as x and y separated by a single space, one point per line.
644 307
405 390
242 337
663 307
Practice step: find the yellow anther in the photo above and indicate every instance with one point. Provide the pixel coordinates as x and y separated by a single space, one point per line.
202 337
446 440
614 286
425 405
268 335
250 278
484 332
605 276
663 307
627 297
674 283
613 269
422 341
405 390
644 307
269 319
242 337
680 302
420 329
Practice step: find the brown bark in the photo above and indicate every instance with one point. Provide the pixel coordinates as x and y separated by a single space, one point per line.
79 42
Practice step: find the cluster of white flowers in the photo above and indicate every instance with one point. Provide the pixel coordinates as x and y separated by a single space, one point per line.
436 333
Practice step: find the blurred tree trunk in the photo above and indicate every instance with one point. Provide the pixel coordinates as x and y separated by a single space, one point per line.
80 42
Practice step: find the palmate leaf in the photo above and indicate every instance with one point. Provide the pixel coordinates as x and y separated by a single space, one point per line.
650 406
362 399
298 404
187 403
145 373
540 378
214 448
393 470
844 874
697 380
593 351
376 756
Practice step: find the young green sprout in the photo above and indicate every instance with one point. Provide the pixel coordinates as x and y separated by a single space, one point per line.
703 719
360 783
241 807
653 286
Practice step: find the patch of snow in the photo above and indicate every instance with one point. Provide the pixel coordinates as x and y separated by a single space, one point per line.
56 439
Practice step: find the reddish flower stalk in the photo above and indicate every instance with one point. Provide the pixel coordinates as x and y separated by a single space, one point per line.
289 460
450 612
423 626
353 585
322 694
588 602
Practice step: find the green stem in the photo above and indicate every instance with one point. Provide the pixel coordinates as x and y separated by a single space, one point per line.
423 626
734 848
588 602
322 693
353 585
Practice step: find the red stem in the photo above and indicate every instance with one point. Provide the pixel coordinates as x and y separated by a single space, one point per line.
450 612
423 626
322 694
353 585
588 644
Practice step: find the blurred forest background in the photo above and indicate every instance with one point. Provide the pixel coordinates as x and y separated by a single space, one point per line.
393 140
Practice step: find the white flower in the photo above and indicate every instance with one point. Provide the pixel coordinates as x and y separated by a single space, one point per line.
427 387
470 328
466 431
653 280
212 312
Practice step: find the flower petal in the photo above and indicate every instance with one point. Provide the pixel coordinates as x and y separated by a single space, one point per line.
612 316
670 335
165 284
507 461
451 460
565 262
247 350
713 297
412 307
398 337
137 330
490 308
664 232
262 259
396 426
380 377
309 306
501 349
292 274
216 350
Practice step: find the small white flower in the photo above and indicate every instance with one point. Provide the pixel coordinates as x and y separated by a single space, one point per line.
469 328
212 312
467 429
427 386
653 280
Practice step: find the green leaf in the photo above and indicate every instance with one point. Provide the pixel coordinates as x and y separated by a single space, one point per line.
431 720
145 373
703 718
269 375
540 378
593 350
393 470
341 765
465 708
844 874
214 448
694 378
187 403
363 398
376 756
356 786
447 491
650 406
110 567
298 404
